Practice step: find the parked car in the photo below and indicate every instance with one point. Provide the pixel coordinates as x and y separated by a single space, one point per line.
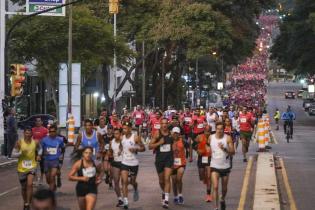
30 121
307 103
300 93
289 94
311 109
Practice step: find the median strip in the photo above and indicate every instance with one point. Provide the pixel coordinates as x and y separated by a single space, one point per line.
266 190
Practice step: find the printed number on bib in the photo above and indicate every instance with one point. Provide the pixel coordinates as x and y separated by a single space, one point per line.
205 159
52 151
187 119
129 156
243 120
177 162
27 164
106 147
157 126
89 172
165 148
138 116
200 125
219 154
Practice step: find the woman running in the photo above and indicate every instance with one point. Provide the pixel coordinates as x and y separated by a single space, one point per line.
179 166
115 151
87 176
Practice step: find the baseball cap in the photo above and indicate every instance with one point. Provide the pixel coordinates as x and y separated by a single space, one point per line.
176 130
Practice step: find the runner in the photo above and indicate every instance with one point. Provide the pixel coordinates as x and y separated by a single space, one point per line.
87 176
39 132
131 144
236 130
155 123
25 150
114 121
115 150
138 117
164 160
44 199
212 118
179 166
186 121
107 138
276 116
198 128
204 159
53 149
246 125
221 148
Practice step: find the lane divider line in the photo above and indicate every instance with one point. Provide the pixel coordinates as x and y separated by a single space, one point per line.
242 201
287 186
8 162
8 191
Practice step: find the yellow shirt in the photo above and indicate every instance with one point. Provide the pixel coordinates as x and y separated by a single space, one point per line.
27 160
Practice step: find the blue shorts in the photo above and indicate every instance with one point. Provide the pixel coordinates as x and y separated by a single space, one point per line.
50 164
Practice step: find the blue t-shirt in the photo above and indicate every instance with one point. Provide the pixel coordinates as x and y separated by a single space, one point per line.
52 147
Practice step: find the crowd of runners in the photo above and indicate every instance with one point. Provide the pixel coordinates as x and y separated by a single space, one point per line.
108 148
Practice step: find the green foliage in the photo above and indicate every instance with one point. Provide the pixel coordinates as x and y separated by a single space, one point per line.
294 48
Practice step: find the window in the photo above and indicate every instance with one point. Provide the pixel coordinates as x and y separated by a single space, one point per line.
118 81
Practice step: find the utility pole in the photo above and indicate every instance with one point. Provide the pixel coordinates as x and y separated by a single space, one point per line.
163 81
143 76
70 61
2 65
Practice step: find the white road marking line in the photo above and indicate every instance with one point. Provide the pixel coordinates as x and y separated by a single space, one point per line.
8 191
8 162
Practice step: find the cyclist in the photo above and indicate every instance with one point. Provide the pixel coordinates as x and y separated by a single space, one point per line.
288 118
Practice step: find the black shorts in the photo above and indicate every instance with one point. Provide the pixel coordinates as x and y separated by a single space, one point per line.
221 172
83 189
161 164
133 170
23 176
201 164
174 172
115 164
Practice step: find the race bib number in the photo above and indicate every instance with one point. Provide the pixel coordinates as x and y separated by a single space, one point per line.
157 126
138 116
52 151
129 156
219 154
200 125
144 125
177 162
187 119
89 172
205 160
106 147
243 120
165 148
27 164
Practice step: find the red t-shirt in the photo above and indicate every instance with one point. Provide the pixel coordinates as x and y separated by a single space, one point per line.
39 133
202 146
187 122
115 124
245 122
155 125
138 117
199 126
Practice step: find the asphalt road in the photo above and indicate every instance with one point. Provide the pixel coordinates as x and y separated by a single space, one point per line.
298 155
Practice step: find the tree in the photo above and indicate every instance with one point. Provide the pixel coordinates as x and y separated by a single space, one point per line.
44 40
294 47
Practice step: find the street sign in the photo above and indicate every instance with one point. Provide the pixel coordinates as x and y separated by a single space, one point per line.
33 6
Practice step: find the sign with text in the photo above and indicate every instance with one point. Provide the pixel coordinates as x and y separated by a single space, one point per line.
33 6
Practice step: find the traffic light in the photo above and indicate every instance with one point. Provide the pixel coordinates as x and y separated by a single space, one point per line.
17 72
113 6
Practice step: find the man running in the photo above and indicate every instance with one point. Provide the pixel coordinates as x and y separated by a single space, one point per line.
246 126
164 160
179 166
186 120
198 128
204 159
131 145
25 150
138 117
155 123
221 146
39 132
53 149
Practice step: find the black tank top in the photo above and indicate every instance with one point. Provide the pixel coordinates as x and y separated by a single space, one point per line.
88 172
165 151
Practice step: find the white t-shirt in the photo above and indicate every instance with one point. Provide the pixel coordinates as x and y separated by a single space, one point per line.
129 158
115 147
236 124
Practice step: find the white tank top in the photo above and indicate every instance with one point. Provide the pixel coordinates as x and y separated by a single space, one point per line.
115 147
129 158
219 158
211 120
101 131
